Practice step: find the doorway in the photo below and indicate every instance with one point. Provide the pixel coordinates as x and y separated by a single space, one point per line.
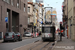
15 21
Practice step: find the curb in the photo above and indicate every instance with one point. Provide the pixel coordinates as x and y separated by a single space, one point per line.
54 45
26 38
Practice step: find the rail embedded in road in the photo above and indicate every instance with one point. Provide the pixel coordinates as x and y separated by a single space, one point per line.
39 45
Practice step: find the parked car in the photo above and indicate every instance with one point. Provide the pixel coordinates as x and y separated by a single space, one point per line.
10 36
27 34
19 36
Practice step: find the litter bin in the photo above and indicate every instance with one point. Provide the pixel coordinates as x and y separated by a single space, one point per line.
1 35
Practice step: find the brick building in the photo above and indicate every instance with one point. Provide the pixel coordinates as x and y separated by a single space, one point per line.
16 13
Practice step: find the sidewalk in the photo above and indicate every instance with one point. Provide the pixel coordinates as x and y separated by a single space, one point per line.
1 41
65 44
26 38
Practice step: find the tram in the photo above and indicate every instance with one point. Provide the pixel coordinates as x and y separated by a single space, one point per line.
48 32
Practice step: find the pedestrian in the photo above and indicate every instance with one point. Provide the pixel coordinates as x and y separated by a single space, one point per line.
60 35
57 37
40 33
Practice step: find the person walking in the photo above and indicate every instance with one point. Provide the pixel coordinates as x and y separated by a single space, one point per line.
60 34
57 36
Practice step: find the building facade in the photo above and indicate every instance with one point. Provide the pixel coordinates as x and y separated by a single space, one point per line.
36 15
41 15
13 16
71 19
65 17
30 16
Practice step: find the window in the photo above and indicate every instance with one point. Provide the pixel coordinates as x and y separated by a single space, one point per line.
40 10
28 9
3 0
1 12
24 7
8 1
9 34
12 2
17 3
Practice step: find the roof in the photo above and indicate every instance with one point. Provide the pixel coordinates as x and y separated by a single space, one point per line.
30 3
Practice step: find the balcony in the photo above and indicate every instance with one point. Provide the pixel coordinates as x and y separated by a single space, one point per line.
65 19
30 24
30 13
30 9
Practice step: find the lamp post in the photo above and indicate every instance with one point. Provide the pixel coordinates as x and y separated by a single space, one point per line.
51 14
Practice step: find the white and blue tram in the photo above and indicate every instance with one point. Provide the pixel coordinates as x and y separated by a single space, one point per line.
48 33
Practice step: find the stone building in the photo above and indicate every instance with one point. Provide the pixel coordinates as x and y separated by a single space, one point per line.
13 16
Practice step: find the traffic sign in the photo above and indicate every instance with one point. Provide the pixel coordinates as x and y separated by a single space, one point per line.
41 22
6 19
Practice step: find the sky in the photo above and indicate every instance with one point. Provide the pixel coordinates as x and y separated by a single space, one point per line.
55 4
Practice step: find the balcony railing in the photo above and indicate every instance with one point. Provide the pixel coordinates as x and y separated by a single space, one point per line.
30 24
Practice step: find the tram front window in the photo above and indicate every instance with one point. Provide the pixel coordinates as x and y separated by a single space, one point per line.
47 30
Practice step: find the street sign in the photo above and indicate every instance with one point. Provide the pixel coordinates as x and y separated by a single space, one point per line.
41 22
6 19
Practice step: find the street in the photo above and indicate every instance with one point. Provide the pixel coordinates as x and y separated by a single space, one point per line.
38 44
37 24
12 45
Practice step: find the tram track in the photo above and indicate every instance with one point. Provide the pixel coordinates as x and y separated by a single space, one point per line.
39 45
47 46
35 46
42 46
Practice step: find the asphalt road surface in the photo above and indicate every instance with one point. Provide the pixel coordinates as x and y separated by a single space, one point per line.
12 45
